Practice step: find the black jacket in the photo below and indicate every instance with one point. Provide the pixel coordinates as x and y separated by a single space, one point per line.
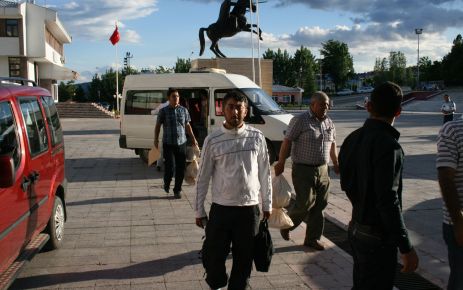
371 162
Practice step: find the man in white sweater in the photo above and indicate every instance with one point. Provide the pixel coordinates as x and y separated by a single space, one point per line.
236 159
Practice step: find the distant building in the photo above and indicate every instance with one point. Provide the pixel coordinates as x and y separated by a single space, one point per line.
32 42
287 95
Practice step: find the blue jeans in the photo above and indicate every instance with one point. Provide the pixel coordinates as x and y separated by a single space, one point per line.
455 259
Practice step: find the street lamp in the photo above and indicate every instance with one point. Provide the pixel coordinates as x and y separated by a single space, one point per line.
418 31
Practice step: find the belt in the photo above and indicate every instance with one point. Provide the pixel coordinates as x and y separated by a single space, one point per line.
310 165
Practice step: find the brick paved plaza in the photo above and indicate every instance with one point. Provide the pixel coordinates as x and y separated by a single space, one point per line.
124 232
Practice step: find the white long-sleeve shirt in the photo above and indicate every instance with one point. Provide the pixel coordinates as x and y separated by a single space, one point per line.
237 162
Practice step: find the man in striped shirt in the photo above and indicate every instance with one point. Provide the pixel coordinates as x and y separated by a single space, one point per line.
450 173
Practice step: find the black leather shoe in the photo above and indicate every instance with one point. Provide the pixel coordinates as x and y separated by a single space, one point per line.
166 188
177 194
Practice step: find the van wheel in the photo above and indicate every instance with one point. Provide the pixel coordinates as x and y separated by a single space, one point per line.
272 157
143 153
55 227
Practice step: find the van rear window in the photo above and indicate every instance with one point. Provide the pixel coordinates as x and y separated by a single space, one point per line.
143 102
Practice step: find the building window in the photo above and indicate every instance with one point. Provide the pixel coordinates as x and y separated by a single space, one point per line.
15 66
12 27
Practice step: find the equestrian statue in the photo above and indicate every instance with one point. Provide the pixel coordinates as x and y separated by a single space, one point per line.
229 23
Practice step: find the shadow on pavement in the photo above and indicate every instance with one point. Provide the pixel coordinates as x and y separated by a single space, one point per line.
117 199
421 166
108 169
91 132
148 269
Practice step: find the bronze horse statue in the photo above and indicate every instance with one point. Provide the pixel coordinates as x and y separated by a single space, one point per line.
228 24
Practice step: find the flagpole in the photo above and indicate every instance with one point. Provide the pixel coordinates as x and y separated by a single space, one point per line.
252 43
117 78
258 44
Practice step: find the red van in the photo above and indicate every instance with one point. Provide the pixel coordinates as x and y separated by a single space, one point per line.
32 178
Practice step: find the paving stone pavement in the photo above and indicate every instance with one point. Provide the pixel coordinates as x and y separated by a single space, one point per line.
124 232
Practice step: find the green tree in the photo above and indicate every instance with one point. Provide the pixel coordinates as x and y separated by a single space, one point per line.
397 67
163 70
282 66
303 68
453 62
337 62
381 71
66 91
79 94
182 65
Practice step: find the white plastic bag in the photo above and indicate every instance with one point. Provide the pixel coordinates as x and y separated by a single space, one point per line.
280 219
281 192
190 172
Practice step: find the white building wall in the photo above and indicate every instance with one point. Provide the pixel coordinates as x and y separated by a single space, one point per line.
35 31
31 71
9 46
4 67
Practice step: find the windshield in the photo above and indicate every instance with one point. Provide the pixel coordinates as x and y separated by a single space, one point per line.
262 102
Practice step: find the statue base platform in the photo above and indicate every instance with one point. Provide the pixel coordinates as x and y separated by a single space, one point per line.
241 66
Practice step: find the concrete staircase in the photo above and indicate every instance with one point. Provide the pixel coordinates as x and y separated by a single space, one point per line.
80 110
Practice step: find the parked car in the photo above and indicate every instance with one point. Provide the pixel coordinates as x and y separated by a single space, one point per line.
32 179
364 90
345 92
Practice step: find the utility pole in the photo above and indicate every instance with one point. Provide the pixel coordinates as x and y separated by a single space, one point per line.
418 31
127 58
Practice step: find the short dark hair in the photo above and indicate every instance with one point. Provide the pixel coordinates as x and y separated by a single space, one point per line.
386 99
170 91
239 97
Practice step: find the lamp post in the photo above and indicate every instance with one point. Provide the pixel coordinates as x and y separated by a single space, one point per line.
418 31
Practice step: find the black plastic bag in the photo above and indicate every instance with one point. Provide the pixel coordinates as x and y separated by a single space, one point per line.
263 248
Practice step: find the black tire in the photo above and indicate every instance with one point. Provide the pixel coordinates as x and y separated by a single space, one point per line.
272 157
55 227
143 153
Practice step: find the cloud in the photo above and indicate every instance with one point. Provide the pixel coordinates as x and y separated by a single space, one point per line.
95 20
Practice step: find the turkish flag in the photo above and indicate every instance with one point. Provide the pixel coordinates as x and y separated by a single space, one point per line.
115 37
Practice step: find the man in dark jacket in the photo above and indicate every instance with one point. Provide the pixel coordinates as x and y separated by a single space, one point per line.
371 161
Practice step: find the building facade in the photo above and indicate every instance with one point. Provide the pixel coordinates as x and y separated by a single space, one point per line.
287 95
32 40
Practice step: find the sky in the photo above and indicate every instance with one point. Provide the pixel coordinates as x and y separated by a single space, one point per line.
156 32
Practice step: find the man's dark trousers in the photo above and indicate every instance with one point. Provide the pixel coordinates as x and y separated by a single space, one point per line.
374 264
177 154
235 225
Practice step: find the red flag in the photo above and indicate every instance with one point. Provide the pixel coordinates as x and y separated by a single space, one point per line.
115 37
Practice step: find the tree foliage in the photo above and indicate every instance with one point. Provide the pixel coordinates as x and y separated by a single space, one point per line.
182 65
296 70
337 62
397 67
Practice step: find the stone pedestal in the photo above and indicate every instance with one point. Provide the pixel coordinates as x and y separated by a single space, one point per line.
241 66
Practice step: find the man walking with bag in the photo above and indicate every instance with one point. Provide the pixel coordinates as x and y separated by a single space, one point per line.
371 162
175 120
312 139
235 158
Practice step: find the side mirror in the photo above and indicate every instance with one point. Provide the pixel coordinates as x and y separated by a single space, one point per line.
7 169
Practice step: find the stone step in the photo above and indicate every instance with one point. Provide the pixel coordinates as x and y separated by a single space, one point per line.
80 110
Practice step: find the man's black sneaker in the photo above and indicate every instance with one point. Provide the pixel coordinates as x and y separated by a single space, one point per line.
166 188
178 194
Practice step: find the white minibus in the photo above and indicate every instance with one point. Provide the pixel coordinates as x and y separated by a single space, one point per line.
202 94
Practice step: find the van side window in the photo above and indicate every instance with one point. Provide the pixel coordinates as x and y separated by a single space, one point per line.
218 100
53 120
9 139
35 125
143 102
